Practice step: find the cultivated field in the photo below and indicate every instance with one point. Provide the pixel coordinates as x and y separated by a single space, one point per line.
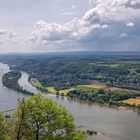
103 86
132 101
97 86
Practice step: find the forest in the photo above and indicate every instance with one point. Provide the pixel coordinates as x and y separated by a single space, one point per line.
67 70
103 96
10 80
64 74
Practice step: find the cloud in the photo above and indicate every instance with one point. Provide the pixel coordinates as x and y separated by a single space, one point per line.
123 35
8 36
3 31
106 23
1 42
12 34
8 32
130 24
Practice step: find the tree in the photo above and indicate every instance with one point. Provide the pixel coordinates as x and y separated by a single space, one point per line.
138 107
20 120
39 118
57 93
101 91
3 128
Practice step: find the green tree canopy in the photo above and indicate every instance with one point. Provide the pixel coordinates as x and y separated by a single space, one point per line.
3 128
39 118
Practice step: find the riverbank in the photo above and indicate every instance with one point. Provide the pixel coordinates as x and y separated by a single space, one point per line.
88 116
89 94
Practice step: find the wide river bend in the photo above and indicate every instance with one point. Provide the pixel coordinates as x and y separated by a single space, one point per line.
114 123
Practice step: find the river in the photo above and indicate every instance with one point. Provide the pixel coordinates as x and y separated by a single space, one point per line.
114 123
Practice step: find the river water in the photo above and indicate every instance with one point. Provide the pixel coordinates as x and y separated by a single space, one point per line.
114 124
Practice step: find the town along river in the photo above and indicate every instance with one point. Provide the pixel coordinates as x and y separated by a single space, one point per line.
113 123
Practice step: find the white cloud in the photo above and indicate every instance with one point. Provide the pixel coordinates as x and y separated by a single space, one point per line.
130 24
12 34
1 42
3 31
8 33
135 2
8 36
102 24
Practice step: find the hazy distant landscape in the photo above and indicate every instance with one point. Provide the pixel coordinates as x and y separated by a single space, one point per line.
70 70
107 78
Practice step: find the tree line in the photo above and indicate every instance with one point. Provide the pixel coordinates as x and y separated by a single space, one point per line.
65 72
102 96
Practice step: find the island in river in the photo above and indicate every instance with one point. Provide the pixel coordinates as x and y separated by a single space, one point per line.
106 78
10 80
113 123
91 94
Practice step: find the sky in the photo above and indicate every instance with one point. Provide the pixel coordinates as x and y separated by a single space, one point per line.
69 25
